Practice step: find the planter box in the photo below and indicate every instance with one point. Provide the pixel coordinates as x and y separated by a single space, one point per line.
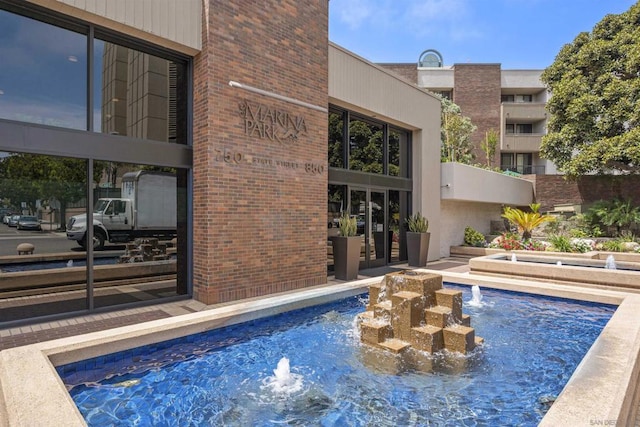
417 248
346 257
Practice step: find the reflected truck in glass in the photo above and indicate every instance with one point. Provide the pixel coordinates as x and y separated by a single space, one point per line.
147 208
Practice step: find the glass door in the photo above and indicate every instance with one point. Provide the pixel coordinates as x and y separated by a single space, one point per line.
368 207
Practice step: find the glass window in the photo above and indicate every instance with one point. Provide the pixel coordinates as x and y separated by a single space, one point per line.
336 205
509 128
398 153
524 128
506 98
136 94
49 189
44 73
524 98
336 139
144 242
366 146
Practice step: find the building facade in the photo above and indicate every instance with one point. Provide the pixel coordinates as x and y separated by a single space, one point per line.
262 122
511 102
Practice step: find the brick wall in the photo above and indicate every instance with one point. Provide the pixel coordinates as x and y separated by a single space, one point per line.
409 72
260 193
551 190
477 92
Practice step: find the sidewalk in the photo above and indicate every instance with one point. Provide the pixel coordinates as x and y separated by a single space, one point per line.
39 332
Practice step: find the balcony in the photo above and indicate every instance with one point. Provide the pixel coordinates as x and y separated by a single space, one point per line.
525 169
528 112
521 143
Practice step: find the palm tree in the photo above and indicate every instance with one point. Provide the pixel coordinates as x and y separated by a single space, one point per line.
526 221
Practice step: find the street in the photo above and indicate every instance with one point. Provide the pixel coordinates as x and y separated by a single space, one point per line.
44 241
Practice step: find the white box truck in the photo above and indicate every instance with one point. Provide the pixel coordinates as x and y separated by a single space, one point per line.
147 208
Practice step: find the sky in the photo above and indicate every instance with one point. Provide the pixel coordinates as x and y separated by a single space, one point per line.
519 34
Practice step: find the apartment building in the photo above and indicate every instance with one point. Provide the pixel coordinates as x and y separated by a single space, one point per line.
509 101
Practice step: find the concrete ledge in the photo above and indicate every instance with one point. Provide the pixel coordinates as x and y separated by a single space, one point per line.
543 266
34 394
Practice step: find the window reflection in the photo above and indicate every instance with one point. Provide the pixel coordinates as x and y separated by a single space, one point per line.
44 73
398 153
366 146
53 279
136 94
143 242
336 140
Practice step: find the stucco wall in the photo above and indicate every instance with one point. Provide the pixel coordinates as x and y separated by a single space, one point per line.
457 215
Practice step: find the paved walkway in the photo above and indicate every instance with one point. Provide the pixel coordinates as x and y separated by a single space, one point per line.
39 332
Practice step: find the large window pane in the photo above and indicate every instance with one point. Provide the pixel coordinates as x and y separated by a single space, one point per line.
42 272
138 211
137 94
366 146
398 153
337 204
43 75
336 139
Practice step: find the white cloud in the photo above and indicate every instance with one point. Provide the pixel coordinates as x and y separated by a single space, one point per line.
354 13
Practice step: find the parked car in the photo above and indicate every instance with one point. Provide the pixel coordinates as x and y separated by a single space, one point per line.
28 222
6 218
13 221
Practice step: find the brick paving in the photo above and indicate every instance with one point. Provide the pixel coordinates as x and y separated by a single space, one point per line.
44 332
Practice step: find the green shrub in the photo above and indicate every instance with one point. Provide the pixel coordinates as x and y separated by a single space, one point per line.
560 243
473 237
614 245
418 223
348 225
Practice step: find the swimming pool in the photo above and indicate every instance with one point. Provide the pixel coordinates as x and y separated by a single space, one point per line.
222 377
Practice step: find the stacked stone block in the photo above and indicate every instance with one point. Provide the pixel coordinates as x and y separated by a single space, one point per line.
413 310
146 249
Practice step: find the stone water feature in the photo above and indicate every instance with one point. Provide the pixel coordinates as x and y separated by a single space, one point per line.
413 310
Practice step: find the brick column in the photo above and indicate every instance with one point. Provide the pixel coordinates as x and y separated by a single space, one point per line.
260 162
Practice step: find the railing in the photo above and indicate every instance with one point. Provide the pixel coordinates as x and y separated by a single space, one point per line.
525 169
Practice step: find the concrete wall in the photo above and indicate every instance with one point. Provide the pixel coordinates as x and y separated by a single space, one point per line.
456 215
436 78
522 79
351 83
467 183
260 149
175 24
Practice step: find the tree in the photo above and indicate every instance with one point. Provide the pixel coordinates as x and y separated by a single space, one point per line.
618 213
595 102
526 221
27 178
489 145
456 131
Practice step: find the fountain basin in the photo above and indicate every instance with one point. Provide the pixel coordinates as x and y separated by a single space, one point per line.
34 395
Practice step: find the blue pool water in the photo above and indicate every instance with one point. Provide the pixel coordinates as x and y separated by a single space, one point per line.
225 377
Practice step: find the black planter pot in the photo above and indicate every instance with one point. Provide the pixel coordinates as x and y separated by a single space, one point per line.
417 248
346 257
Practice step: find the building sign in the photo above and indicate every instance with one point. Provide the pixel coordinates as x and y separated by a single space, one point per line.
264 122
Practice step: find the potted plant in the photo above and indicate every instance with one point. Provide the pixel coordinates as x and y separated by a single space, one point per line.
346 249
417 240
